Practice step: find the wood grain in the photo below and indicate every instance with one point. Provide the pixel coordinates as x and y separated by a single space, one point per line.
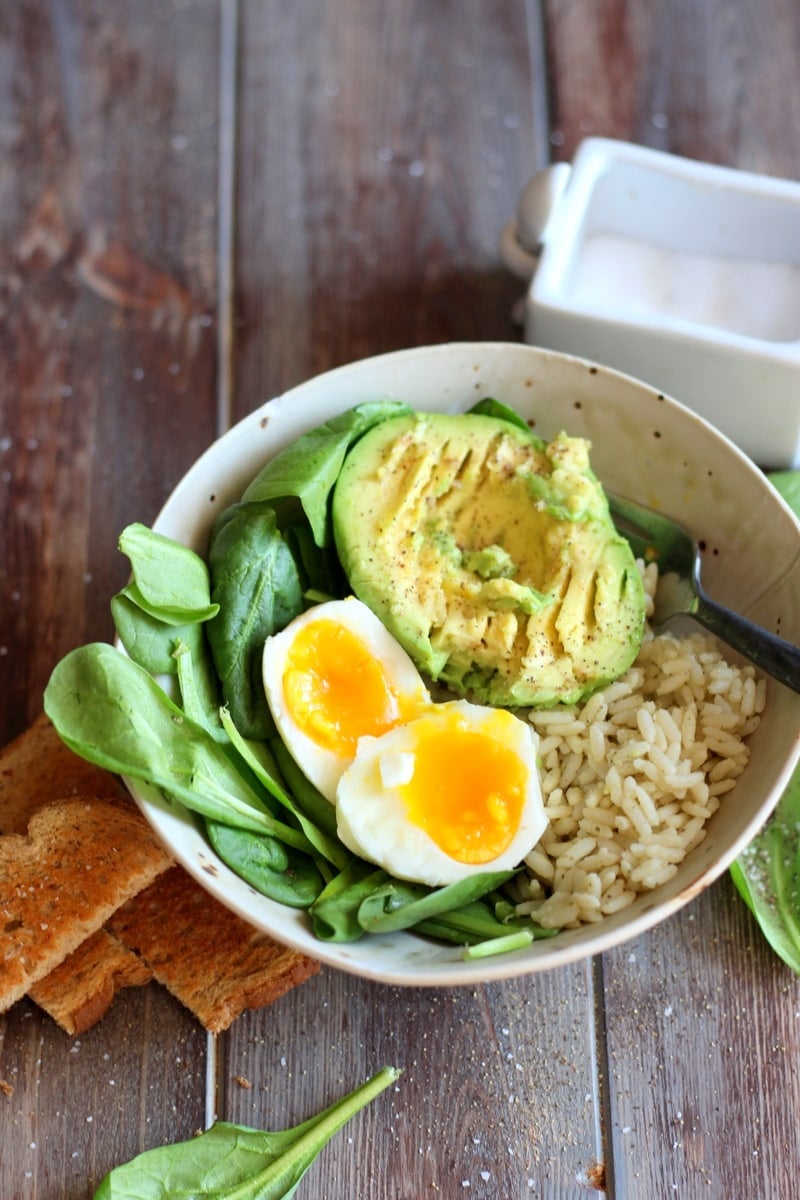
107 348
713 81
380 150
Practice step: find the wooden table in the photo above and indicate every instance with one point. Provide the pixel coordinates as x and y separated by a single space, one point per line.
201 204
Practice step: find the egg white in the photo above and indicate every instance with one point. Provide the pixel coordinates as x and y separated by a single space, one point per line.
322 765
372 816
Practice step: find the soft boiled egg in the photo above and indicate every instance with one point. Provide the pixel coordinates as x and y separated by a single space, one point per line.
332 676
450 793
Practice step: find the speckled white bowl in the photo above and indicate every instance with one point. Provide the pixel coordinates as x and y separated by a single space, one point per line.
645 446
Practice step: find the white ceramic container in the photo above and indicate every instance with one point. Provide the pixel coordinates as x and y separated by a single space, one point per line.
681 273
645 446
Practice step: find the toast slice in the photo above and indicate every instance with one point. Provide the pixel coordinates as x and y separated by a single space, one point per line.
38 767
81 989
204 954
80 860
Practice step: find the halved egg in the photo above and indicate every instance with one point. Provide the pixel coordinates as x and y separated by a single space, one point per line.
333 675
450 793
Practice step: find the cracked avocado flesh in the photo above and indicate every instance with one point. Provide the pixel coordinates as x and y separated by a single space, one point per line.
491 556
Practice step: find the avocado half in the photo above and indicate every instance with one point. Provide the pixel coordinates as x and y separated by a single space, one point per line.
491 556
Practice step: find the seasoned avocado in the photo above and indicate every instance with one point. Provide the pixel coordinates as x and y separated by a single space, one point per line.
491 556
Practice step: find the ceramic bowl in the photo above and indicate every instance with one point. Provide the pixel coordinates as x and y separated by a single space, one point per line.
680 272
643 445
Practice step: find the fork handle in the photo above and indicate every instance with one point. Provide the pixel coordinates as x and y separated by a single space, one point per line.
772 654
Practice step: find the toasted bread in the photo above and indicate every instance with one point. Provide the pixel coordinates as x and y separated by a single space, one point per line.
80 990
38 767
217 965
209 958
78 862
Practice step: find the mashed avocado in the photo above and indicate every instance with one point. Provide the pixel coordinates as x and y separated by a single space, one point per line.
491 556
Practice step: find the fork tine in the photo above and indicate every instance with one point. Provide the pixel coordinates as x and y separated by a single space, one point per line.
651 536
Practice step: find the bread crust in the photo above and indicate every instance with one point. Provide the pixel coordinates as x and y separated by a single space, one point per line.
59 883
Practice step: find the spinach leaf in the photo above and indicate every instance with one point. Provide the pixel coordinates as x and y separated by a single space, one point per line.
284 875
767 873
310 800
234 1162
489 407
147 639
400 905
170 581
310 466
334 914
198 683
110 711
256 585
259 759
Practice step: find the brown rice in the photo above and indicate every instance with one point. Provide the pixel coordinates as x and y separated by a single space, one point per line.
631 776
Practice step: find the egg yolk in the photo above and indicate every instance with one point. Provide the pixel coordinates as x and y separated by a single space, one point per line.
336 690
468 788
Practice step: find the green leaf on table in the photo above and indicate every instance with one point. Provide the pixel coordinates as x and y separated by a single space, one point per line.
235 1162
767 873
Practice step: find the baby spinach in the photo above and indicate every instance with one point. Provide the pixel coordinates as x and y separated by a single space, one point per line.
235 1162
113 713
312 801
334 914
364 899
149 641
170 581
284 875
256 587
198 683
309 467
767 873
400 905
259 759
489 407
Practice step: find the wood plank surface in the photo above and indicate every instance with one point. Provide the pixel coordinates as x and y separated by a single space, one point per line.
202 204
107 394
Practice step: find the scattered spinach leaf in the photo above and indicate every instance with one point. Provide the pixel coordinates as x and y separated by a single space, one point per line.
235 1162
767 873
